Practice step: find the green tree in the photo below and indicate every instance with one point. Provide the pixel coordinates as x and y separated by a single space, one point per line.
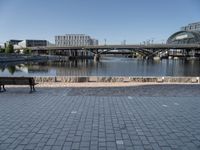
9 49
2 50
27 51
11 69
2 68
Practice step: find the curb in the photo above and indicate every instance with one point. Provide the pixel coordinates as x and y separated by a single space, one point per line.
78 79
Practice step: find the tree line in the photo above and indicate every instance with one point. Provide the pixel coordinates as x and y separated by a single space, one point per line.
10 49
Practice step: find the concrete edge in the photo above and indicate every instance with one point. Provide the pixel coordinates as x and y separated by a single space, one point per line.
146 79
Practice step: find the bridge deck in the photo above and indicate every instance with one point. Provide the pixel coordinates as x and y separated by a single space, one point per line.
121 47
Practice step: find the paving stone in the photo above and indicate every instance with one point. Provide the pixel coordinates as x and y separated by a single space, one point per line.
56 147
75 145
30 147
20 147
105 118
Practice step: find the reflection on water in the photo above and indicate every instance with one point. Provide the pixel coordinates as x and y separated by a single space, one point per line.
108 66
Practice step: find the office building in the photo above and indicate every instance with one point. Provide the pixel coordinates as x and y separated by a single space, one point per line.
74 40
32 43
13 42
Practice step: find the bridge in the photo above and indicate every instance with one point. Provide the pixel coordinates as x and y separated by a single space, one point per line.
119 47
148 50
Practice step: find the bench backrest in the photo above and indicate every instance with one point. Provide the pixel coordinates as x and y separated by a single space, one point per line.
17 81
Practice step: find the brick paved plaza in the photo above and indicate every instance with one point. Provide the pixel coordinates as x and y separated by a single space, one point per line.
139 117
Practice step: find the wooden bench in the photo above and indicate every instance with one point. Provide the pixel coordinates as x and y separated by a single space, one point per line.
17 81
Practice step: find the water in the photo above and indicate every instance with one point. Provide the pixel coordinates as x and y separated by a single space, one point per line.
108 66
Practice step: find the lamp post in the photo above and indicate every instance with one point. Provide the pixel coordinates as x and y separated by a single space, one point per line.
152 40
104 41
163 41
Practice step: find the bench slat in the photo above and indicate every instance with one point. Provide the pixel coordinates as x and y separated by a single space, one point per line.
17 81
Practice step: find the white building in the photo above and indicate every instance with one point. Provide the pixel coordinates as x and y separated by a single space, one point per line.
2 46
94 42
74 40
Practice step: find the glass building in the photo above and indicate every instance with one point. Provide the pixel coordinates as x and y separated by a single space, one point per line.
32 43
13 42
188 35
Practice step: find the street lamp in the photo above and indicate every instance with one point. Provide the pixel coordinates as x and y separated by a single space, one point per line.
163 41
152 40
104 41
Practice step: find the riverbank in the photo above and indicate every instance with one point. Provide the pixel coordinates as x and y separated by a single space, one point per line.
116 79
6 58
103 84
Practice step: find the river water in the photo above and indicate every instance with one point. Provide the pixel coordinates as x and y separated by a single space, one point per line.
108 66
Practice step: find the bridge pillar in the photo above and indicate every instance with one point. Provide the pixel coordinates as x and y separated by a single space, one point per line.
97 57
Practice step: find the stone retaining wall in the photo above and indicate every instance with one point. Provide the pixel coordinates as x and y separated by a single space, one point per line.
72 79
15 58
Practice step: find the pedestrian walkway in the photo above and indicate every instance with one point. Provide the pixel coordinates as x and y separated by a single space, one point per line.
140 117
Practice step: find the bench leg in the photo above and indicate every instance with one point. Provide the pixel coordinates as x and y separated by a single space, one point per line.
34 88
31 89
4 88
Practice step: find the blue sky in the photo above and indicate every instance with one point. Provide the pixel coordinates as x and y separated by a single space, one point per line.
114 20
